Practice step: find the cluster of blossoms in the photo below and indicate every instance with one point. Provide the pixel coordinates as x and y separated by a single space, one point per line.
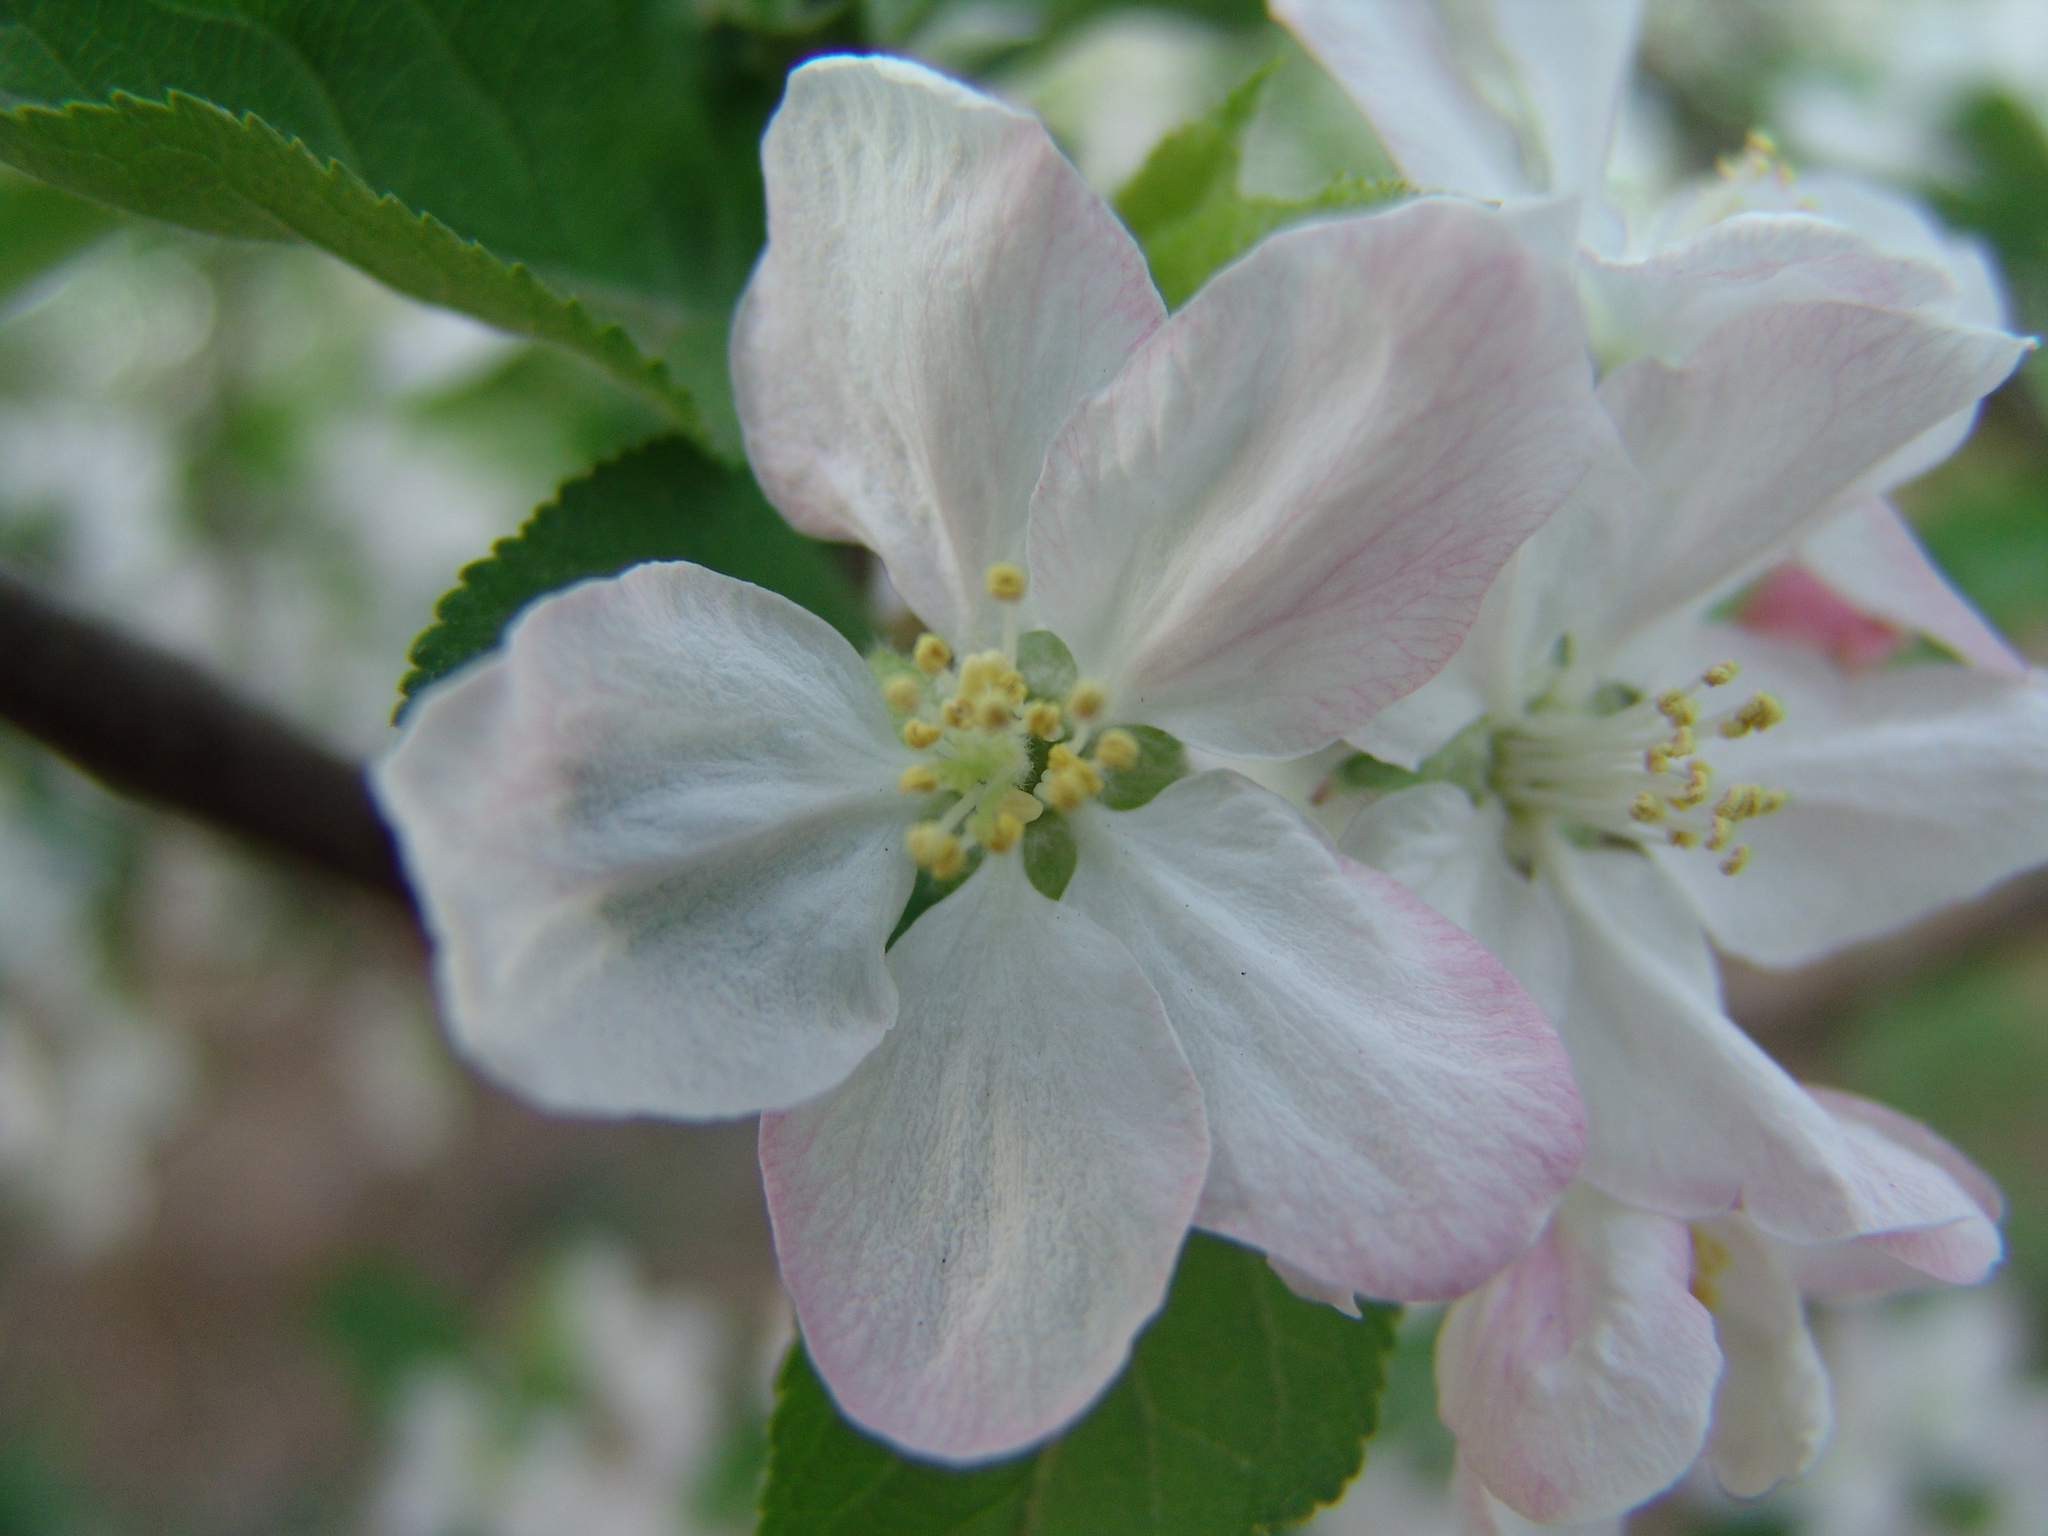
1433 480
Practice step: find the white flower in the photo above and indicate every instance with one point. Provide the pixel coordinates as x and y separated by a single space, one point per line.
662 835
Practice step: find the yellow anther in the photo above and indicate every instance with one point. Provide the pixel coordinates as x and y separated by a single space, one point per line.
1734 727
1117 749
1086 775
1060 757
1657 760
1709 1257
1003 834
957 713
1683 837
1070 787
981 671
1042 719
902 694
919 733
1773 802
1020 805
917 780
949 863
1742 802
1719 673
928 844
1012 686
1086 700
993 714
1005 582
1769 711
1723 830
1737 861
931 655
1682 742
1677 706
1646 807
1699 780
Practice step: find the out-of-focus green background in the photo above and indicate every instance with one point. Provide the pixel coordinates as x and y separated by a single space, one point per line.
270 1261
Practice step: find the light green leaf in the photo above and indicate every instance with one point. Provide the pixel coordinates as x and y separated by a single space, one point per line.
664 501
41 227
1187 212
1243 1407
1161 760
609 149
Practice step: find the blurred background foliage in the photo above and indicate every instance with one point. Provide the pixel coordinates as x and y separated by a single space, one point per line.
270 1261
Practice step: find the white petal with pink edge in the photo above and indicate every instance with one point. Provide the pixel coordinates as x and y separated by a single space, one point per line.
1579 1381
1285 511
1388 1110
975 1224
939 288
657 773
1909 787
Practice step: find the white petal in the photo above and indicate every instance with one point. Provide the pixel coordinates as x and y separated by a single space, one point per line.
1283 514
1688 1116
976 1223
658 842
1771 421
1772 1411
1870 556
1518 98
1579 1380
1388 1110
940 286
1910 787
1481 1514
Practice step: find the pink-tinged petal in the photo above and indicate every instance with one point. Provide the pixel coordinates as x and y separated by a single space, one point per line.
1688 1116
1767 426
1283 514
975 1224
659 845
1854 1109
1794 605
1579 1380
1910 787
1313 1288
1481 1514
1872 558
1773 1411
1433 85
1388 1110
939 288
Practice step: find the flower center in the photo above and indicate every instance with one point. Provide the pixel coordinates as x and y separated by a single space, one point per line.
995 749
1633 770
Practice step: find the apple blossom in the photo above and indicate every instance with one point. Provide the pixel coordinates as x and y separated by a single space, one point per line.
663 836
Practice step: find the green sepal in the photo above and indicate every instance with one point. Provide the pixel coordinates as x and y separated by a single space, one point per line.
1161 760
1050 853
666 500
1187 212
927 893
1047 665
1243 1408
1363 771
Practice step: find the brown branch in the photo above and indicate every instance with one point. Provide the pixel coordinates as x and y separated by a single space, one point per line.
159 729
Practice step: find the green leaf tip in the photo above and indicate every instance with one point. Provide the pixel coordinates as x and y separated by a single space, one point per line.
187 161
1185 208
1243 1409
665 500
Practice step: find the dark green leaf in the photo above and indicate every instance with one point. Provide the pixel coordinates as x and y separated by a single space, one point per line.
1187 212
40 227
1361 770
611 148
1161 760
665 501
1047 665
1243 1407
1050 853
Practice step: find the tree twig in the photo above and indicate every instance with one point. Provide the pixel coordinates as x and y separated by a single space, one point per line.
158 728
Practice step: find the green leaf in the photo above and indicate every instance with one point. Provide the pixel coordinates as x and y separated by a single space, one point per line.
1161 760
1187 212
1050 853
1047 665
665 501
1243 1407
1361 770
612 149
41 227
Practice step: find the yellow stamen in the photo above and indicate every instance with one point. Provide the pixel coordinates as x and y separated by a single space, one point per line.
1682 743
929 843
1042 719
1773 802
1003 835
957 713
919 733
1117 749
1086 700
1060 757
1737 861
1709 1257
917 780
1657 760
993 714
1005 582
1020 805
1646 807
1677 706
1723 830
1684 837
1720 673
981 671
902 694
949 863
931 655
